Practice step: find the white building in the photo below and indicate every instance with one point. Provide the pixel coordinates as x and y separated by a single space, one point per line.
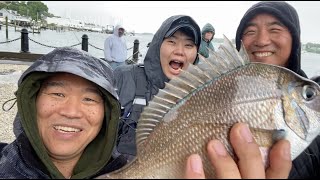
13 16
7 13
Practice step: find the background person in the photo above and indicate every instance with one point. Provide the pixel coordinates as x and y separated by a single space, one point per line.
115 47
207 35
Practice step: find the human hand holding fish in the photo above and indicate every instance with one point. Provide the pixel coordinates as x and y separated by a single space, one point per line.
203 103
249 164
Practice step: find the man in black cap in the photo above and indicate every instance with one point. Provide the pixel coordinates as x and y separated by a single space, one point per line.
270 32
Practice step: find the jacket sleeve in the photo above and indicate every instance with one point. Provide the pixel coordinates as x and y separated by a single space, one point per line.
107 49
125 84
203 50
211 46
307 164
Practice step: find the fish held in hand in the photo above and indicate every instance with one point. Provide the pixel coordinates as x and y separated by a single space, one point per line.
207 99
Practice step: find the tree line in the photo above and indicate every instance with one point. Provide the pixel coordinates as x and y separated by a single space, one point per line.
312 47
37 10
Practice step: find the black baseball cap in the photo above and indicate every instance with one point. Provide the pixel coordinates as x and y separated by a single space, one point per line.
185 22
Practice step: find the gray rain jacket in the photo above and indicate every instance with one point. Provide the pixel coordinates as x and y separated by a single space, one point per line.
27 156
204 44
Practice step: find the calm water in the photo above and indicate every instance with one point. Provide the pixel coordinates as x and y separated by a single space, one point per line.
310 62
68 38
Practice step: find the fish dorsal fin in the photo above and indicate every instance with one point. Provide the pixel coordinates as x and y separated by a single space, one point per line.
224 60
243 53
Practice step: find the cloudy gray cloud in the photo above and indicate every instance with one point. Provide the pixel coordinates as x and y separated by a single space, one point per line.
148 16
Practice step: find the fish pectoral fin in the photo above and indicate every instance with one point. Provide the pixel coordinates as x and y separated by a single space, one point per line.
267 137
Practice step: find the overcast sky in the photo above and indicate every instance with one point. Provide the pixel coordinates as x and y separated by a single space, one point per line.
147 16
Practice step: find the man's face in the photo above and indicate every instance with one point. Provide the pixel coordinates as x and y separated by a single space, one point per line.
70 113
267 40
120 32
208 35
176 52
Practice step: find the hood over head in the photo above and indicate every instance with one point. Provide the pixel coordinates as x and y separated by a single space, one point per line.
80 63
152 63
115 30
286 14
208 28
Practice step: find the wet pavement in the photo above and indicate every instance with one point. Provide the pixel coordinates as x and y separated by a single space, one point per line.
10 72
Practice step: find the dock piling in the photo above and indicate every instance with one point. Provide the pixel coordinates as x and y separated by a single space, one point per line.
7 35
84 43
135 50
24 41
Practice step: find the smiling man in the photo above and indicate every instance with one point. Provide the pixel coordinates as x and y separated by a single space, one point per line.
267 40
69 114
270 32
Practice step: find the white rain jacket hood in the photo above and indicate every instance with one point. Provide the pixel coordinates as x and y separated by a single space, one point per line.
115 48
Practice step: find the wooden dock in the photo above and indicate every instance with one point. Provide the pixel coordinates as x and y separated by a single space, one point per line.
24 57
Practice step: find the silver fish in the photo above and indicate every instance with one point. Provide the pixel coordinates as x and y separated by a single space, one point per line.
203 103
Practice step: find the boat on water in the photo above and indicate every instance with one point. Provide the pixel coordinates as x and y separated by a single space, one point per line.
31 29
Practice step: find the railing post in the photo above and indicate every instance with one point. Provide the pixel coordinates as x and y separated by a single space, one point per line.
24 41
135 50
85 42
7 35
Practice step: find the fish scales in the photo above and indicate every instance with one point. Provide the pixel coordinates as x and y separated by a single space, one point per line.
203 103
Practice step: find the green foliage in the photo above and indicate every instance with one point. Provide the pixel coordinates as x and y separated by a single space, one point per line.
37 8
2 5
34 9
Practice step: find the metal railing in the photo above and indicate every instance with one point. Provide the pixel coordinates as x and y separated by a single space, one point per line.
84 45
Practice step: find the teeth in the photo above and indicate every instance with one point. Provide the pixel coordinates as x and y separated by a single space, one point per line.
264 54
66 129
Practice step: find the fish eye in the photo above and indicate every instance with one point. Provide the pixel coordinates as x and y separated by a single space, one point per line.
308 92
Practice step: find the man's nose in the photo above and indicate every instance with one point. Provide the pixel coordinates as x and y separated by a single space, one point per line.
263 38
72 108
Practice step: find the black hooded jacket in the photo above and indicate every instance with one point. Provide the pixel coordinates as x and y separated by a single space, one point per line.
307 165
144 80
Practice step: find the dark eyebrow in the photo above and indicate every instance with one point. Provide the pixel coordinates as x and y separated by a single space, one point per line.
61 84
94 90
250 24
53 83
269 24
276 23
